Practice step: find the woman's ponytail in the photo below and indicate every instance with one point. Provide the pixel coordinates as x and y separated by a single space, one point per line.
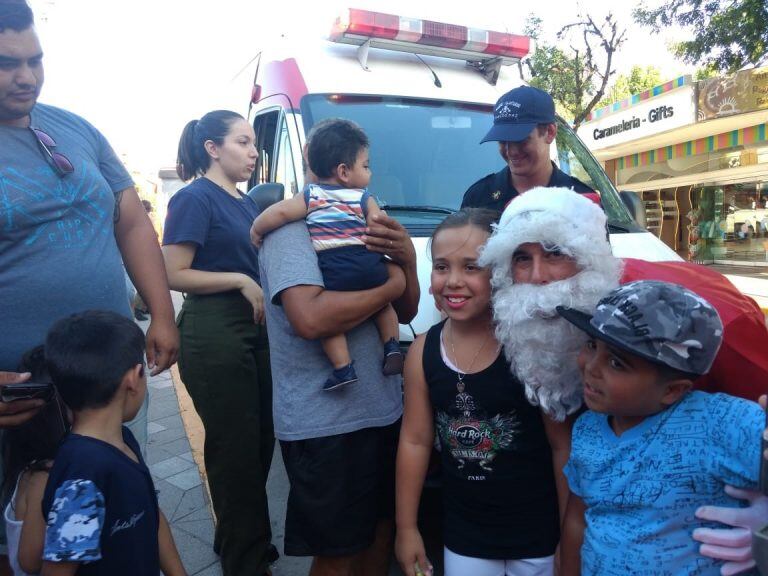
193 159
187 161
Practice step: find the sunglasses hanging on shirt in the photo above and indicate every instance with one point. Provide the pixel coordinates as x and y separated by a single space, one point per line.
60 163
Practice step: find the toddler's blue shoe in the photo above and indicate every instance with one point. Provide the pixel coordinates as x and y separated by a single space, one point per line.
393 358
341 377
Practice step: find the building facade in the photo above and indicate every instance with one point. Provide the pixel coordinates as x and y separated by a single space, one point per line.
697 155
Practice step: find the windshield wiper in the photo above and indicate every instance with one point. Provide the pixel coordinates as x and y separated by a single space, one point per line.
408 208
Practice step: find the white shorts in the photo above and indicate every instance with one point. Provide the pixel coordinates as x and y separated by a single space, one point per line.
458 565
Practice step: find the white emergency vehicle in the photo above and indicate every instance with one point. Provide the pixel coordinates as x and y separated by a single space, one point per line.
424 93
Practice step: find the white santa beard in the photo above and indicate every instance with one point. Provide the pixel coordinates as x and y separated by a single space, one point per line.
542 347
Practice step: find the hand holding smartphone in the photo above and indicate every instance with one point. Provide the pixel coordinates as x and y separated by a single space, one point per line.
26 391
17 413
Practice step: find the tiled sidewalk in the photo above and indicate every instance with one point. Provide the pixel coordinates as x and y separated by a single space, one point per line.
181 492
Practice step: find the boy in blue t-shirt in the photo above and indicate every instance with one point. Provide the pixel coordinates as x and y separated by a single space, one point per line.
649 451
100 504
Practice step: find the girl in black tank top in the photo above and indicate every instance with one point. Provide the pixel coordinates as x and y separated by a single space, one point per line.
499 496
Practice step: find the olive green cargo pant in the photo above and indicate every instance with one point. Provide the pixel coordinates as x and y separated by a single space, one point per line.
224 363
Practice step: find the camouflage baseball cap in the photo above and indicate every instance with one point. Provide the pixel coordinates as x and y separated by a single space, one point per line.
661 322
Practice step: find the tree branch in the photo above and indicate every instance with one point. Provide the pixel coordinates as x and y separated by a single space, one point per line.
610 40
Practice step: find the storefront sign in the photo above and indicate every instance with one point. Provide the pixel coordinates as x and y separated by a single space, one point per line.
660 114
747 91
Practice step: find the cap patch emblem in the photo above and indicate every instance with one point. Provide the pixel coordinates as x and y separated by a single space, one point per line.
507 109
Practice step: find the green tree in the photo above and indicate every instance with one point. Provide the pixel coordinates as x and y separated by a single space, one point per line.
638 80
704 73
727 35
576 74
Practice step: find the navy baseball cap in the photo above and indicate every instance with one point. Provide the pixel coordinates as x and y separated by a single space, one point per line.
518 112
661 322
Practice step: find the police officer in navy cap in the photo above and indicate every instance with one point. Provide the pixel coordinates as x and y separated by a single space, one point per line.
524 126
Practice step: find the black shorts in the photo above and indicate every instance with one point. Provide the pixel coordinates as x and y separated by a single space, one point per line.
352 268
341 486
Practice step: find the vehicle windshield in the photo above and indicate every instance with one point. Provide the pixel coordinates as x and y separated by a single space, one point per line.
426 153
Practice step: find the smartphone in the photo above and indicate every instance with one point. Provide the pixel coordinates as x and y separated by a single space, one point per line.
26 391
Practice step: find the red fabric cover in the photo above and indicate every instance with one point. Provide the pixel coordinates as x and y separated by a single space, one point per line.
741 366
594 196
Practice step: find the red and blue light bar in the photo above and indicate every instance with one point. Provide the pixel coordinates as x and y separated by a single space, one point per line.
428 37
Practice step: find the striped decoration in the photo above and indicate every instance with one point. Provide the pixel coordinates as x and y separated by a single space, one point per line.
635 98
742 137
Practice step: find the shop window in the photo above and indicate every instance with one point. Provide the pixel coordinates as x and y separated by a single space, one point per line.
731 224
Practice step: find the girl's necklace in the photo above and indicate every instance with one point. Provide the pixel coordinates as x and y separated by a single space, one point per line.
460 384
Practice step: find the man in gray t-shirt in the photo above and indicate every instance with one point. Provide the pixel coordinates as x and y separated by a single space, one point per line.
338 446
69 217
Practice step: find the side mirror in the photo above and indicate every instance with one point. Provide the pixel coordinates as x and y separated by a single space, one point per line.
267 194
635 206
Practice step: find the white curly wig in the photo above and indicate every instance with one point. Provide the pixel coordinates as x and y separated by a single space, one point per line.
553 217
540 346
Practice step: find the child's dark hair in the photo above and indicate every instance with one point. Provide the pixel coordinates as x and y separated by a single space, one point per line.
88 354
333 142
15 15
193 160
481 218
668 374
33 444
